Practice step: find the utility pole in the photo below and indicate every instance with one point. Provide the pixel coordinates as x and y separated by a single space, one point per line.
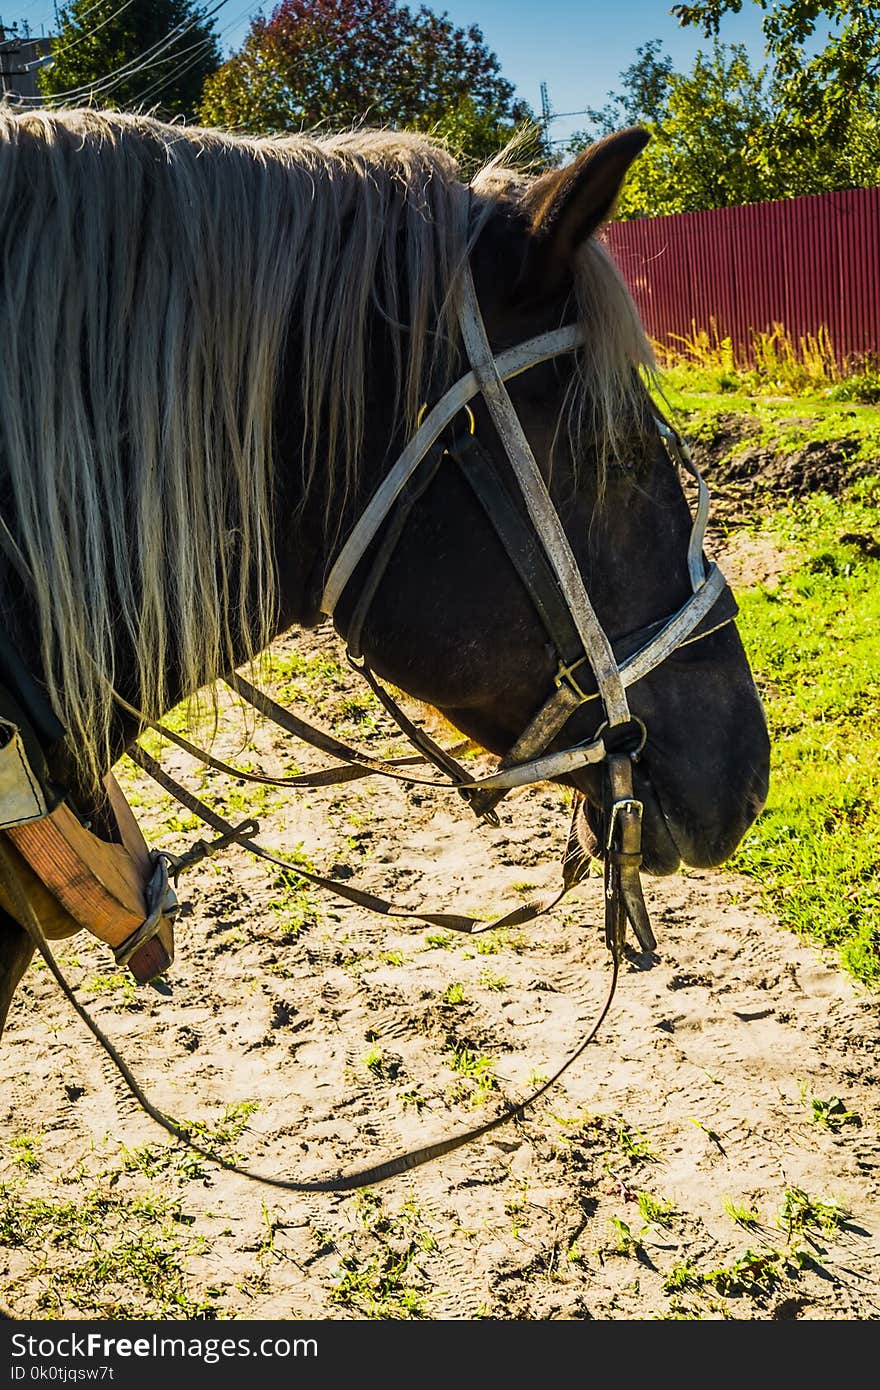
546 114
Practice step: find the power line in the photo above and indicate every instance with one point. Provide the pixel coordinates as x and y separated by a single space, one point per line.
161 82
89 32
561 115
134 67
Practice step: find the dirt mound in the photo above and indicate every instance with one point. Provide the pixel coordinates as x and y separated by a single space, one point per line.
744 471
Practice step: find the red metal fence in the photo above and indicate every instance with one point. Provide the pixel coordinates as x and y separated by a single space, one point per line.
805 263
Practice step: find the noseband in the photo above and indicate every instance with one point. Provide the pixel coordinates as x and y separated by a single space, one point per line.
539 551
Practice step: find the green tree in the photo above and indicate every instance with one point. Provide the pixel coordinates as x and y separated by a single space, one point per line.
826 58
715 135
643 94
701 123
144 55
338 63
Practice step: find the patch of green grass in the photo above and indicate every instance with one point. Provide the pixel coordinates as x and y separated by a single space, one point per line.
655 1209
413 1097
743 1216
805 1215
814 646
291 667
374 1061
220 1135
833 1114
488 980
103 1255
863 387
490 943
377 1287
119 984
386 1280
438 940
391 957
783 425
754 1273
623 1242
632 1145
251 801
477 1070
24 1151
293 905
757 1272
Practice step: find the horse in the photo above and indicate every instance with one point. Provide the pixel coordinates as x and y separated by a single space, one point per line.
214 348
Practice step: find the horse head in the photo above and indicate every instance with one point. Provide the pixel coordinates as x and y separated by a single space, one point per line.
452 621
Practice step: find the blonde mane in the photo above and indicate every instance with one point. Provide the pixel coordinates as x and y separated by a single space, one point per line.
149 277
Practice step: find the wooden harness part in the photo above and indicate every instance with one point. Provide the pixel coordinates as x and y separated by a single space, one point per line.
74 880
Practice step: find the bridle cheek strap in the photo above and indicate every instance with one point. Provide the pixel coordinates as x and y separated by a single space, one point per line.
541 510
487 375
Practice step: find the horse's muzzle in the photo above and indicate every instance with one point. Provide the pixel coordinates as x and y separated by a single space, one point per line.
703 831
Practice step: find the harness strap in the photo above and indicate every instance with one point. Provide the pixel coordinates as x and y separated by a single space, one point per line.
521 545
346 1182
357 764
292 724
575 864
624 900
409 496
673 633
462 780
680 453
510 364
544 515
540 769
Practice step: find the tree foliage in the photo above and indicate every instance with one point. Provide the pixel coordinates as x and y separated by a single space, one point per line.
339 63
715 136
700 123
149 55
826 62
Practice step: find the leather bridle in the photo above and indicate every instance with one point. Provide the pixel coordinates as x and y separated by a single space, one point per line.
538 548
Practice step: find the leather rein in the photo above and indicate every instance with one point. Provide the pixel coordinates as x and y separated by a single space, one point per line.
538 549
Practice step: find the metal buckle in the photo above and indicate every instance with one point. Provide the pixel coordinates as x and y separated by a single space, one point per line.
564 676
472 424
482 803
619 808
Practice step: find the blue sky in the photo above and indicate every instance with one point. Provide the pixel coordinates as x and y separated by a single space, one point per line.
578 47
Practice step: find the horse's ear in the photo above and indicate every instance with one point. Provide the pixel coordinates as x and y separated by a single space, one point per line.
565 206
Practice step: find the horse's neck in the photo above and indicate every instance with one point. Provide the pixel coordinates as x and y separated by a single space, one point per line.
309 529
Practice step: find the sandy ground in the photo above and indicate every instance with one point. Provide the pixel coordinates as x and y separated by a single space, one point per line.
713 1154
